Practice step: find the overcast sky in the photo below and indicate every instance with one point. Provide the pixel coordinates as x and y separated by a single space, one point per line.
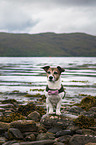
37 16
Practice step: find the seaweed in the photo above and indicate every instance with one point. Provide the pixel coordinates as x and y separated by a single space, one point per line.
13 117
84 121
87 102
27 109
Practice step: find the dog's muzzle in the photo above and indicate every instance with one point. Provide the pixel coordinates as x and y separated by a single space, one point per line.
50 78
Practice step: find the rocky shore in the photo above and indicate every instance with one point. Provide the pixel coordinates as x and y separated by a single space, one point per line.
28 124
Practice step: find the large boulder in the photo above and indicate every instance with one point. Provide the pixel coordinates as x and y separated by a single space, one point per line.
15 133
24 125
82 139
49 121
4 125
34 116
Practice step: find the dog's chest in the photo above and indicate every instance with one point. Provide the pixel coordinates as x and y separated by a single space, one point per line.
54 99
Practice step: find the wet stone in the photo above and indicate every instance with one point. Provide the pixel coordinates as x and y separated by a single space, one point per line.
82 139
58 143
15 133
34 116
24 125
64 139
30 137
4 125
44 136
41 142
76 109
10 142
54 130
64 132
50 121
90 143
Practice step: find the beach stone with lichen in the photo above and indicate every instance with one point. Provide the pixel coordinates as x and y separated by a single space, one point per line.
82 139
24 125
34 116
4 125
50 121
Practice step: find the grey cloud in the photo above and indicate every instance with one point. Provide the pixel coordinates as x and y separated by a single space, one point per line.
76 2
61 16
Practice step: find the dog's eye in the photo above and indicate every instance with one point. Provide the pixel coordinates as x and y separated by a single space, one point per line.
55 72
48 72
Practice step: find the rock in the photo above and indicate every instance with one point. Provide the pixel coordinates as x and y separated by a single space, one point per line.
24 125
54 130
2 130
41 129
41 142
15 133
90 143
73 128
92 109
93 128
88 132
64 132
30 137
34 116
16 144
76 109
10 143
64 139
2 140
81 139
25 134
4 126
45 136
50 121
58 143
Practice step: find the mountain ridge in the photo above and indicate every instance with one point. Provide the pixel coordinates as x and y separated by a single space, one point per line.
47 44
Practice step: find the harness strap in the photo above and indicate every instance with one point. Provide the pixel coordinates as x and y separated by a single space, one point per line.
59 91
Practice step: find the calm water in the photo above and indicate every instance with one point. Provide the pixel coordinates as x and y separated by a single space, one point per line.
25 73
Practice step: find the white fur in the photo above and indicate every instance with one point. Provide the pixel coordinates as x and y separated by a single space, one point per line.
54 100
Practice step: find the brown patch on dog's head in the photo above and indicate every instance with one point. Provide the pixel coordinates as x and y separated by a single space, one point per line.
46 68
60 69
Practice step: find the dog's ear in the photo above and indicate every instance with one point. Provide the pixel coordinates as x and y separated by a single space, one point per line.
46 68
60 69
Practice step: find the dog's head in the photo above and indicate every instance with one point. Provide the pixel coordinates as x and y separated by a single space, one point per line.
53 74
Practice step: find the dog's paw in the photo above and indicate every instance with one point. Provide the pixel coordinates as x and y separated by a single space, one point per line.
50 112
58 112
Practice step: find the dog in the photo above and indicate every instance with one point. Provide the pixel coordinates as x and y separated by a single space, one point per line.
54 90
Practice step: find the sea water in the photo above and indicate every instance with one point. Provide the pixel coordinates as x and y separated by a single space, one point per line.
25 74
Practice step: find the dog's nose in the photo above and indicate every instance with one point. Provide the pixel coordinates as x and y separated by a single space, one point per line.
50 77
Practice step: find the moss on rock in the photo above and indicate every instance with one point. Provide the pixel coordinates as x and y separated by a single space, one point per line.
12 117
26 109
84 121
87 102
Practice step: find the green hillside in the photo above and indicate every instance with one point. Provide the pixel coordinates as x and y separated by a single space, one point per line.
47 44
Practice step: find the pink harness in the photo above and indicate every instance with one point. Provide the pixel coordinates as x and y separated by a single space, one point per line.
51 92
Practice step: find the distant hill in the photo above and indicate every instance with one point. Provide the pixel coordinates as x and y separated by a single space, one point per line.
47 44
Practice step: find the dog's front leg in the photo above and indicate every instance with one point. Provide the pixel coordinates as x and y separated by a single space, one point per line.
49 106
58 107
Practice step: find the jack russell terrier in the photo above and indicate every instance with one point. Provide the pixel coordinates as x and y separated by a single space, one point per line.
54 90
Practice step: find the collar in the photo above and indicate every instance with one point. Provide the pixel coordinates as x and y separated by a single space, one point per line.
59 91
